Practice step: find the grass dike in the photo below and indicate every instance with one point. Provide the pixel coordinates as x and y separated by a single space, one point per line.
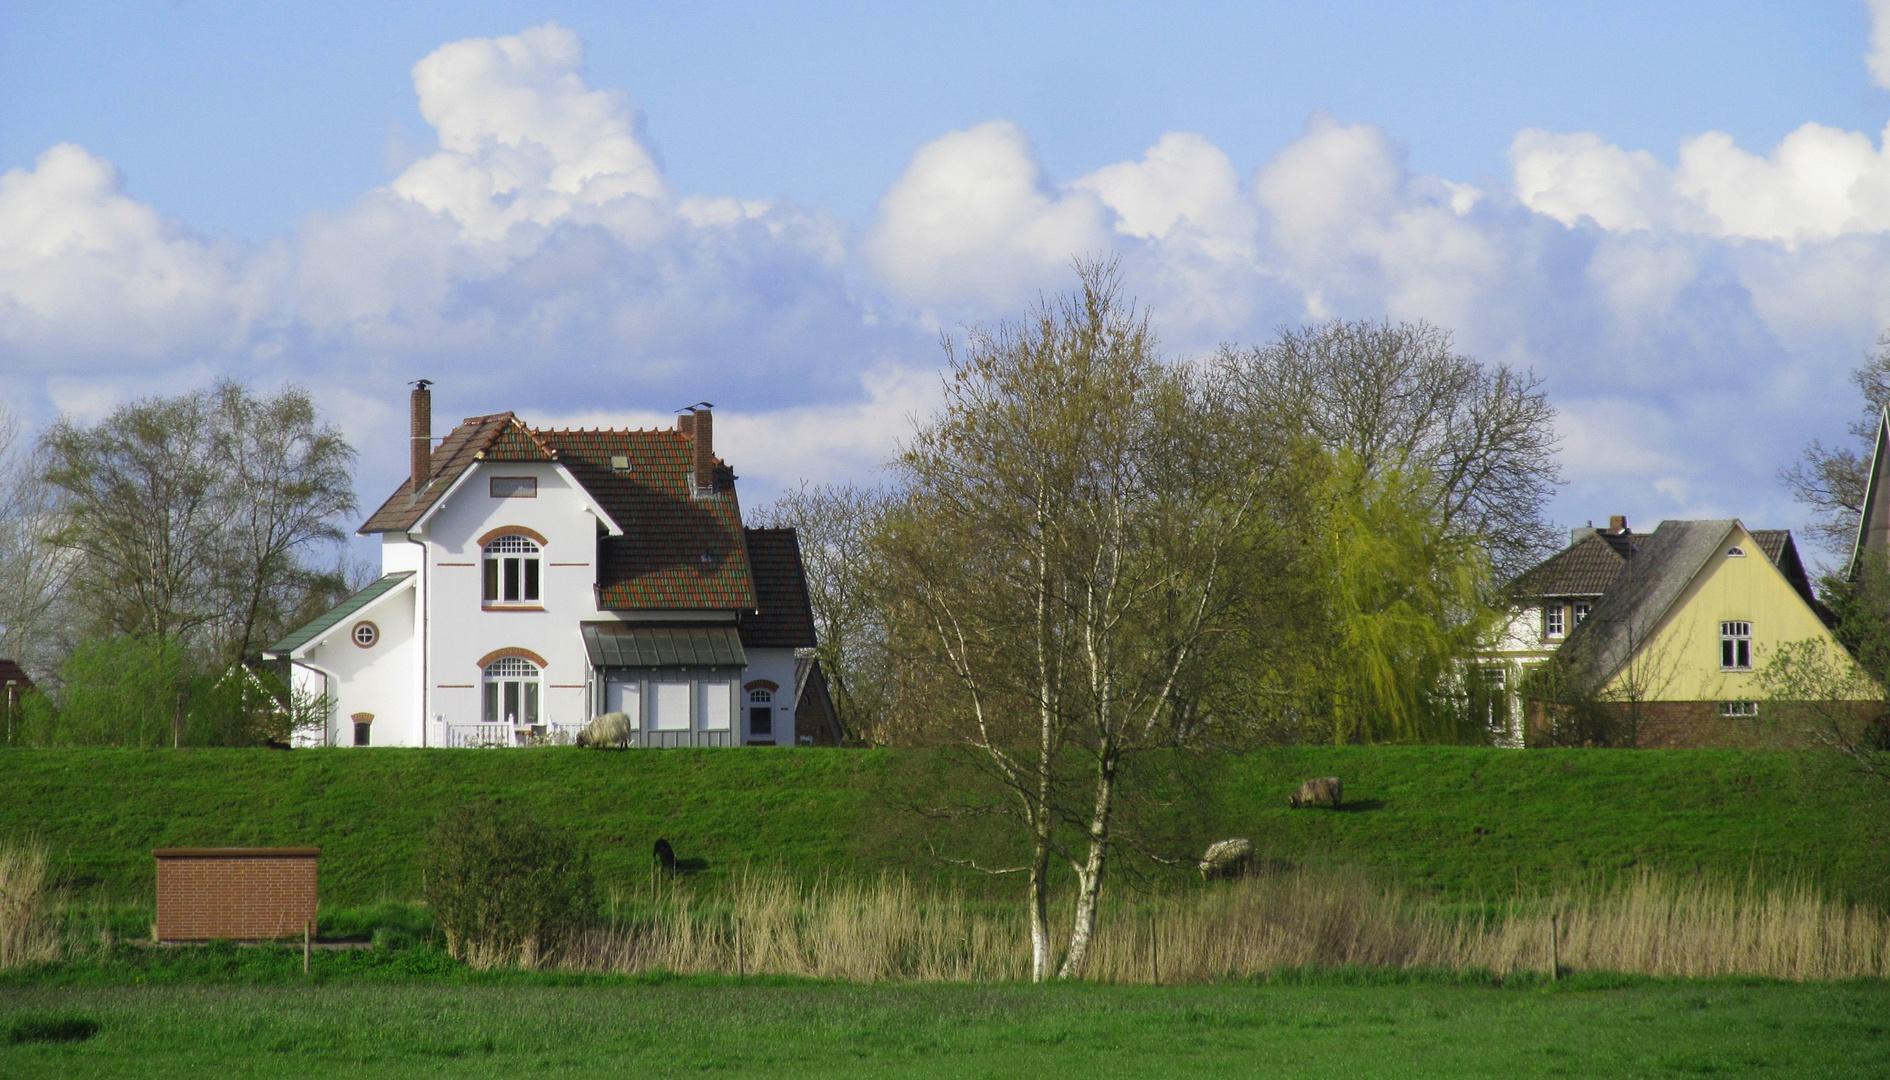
1451 823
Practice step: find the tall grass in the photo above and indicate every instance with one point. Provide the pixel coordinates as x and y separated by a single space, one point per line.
1647 923
28 933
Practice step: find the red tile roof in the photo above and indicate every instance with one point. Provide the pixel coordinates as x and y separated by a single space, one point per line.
678 550
455 454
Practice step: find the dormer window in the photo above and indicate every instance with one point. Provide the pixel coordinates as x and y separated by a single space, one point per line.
1552 621
512 574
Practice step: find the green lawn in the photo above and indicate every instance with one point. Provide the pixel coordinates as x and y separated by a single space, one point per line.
1323 1031
1460 822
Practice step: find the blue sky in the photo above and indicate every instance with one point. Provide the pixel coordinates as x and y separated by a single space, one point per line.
596 212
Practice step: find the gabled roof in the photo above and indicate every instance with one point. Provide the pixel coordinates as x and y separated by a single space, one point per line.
1584 568
335 615
678 549
786 617
465 444
1641 595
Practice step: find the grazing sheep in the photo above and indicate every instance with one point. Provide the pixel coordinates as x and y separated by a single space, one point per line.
1319 791
1227 858
610 729
666 857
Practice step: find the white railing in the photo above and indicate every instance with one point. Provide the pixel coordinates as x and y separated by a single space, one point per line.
501 734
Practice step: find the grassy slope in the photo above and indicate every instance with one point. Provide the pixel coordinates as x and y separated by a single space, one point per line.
1416 812
688 1028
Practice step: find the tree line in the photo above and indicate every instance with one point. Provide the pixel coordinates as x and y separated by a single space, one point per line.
148 559
1091 562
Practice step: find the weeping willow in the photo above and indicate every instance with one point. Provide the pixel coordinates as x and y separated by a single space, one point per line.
1410 601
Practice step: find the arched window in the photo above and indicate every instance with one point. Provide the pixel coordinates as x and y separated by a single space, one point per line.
511 692
760 712
511 570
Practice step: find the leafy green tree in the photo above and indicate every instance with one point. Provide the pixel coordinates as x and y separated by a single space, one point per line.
121 691
1410 600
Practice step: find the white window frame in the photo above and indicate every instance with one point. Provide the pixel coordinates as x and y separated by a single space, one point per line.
759 698
1552 624
1739 709
1580 609
513 572
512 692
1735 645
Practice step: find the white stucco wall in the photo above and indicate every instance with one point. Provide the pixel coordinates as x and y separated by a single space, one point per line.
381 679
776 666
463 630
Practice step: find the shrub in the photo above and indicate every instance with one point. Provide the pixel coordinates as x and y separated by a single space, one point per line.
505 888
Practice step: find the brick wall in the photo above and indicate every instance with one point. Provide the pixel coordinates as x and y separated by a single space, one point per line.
240 894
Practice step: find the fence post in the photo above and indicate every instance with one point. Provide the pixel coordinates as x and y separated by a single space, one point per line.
1555 946
1155 950
307 933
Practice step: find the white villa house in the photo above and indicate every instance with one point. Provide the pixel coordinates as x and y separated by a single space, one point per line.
534 579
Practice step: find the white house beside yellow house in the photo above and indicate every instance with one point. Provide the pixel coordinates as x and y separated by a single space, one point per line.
1675 639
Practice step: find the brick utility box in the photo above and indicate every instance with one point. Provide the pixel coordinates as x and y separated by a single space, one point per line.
238 894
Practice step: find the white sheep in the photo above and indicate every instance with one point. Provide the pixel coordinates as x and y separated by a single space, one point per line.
1227 858
610 729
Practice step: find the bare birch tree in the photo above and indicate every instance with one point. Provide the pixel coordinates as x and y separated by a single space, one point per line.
1064 571
1831 480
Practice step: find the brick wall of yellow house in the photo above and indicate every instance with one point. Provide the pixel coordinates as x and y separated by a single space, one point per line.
1681 659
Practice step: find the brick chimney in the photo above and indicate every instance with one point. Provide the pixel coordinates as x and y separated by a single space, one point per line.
422 441
705 452
1617 525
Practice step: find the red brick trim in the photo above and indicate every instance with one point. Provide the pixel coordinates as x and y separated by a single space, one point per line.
762 684
520 530
523 654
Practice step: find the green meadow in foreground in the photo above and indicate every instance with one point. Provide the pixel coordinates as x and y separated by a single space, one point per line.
1322 1028
1455 822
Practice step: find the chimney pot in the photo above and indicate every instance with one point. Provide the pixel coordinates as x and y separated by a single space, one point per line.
421 415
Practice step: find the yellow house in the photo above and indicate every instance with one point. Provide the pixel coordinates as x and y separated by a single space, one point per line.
1675 643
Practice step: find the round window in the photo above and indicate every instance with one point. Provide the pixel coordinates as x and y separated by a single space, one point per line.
366 634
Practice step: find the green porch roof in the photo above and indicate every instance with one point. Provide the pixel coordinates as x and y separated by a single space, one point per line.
338 613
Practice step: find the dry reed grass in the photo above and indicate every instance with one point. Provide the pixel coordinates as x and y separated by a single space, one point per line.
890 930
28 933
